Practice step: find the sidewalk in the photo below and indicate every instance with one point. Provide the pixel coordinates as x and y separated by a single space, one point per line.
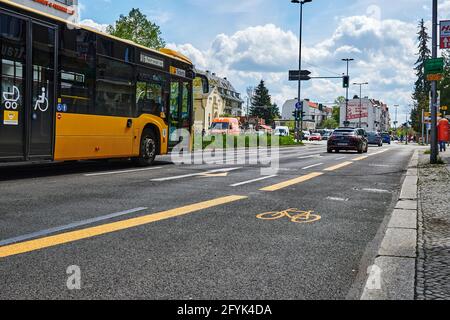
433 249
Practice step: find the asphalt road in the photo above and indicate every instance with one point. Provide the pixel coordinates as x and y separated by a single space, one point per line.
192 231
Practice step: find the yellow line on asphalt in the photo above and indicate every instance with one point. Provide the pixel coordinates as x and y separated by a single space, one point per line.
339 166
289 183
63 238
360 158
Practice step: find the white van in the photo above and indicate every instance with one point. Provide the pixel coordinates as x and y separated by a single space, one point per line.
281 131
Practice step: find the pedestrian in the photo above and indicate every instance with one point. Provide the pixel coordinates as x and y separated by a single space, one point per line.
442 146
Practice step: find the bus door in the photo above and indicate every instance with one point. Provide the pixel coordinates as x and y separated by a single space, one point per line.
180 112
27 96
42 108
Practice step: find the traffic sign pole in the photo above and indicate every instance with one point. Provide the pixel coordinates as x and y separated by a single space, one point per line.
434 142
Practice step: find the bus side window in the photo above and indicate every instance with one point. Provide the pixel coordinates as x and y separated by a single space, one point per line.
149 98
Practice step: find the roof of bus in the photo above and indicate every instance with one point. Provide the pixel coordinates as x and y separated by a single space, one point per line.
165 51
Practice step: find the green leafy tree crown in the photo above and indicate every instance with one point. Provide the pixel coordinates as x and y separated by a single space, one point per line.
137 28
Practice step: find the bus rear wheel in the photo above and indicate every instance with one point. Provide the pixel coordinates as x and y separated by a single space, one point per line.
148 149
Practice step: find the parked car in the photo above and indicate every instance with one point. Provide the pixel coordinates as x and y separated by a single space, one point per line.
225 126
315 137
306 135
281 131
386 137
348 139
375 138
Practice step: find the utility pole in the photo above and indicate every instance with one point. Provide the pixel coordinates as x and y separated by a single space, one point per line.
360 84
396 119
346 93
423 126
300 131
407 128
434 140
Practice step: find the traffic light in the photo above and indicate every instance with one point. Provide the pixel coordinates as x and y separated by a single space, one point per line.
346 82
297 114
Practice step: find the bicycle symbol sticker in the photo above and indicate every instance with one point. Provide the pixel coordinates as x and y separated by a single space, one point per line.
11 98
295 215
41 102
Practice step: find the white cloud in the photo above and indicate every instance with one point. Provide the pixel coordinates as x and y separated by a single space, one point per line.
92 24
384 53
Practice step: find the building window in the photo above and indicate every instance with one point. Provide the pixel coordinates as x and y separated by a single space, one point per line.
66 2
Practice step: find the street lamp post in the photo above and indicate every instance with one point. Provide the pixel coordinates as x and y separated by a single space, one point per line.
302 2
360 84
346 93
396 112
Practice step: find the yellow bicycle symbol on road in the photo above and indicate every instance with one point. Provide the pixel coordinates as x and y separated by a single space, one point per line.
295 215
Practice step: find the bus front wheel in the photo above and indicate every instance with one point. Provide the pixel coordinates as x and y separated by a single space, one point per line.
148 149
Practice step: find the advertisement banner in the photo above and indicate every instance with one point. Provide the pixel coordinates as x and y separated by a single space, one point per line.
355 112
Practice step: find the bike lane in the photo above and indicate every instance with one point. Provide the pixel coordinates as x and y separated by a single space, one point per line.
226 251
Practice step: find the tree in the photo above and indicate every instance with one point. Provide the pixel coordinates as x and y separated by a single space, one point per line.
330 123
137 28
261 104
422 87
337 108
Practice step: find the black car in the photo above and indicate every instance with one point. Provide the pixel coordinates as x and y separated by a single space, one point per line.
348 139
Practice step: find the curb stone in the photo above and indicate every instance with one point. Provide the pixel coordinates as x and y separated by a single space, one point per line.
392 277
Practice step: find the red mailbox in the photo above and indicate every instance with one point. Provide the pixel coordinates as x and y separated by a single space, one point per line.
443 130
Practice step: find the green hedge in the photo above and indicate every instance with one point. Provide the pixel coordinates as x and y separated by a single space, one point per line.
231 142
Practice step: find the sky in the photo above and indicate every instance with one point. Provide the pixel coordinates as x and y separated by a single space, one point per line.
251 40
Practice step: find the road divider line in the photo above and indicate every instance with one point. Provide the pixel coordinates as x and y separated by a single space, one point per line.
120 172
251 181
73 225
311 156
38 244
360 158
339 166
312 166
196 174
292 182
340 158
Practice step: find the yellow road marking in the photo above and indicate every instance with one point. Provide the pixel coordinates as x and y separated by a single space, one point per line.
289 183
63 238
295 215
344 164
360 158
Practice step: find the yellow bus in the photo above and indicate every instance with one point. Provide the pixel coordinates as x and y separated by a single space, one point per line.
74 93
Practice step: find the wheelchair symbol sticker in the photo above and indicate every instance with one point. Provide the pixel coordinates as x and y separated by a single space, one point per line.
41 102
11 98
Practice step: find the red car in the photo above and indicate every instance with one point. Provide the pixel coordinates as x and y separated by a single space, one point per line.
315 137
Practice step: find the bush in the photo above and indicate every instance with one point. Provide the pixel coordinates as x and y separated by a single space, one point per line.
232 142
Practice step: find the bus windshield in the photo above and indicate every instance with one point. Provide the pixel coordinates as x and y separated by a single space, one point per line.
220 126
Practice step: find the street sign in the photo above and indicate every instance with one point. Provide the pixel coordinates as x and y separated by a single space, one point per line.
434 66
434 77
427 115
445 34
298 106
295 74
